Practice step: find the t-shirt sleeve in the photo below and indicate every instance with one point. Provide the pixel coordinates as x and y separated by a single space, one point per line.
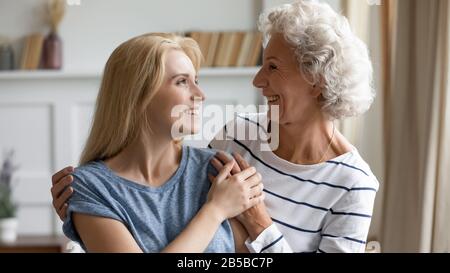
271 240
89 197
347 223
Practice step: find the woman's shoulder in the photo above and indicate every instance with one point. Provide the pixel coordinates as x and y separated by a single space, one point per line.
355 170
90 168
200 155
249 126
91 175
257 121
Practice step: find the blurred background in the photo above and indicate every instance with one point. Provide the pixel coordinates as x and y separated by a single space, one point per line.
52 55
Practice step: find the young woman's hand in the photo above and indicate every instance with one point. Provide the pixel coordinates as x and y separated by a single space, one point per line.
255 219
231 195
61 191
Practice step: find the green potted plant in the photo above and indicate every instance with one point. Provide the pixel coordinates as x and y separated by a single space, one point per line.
8 209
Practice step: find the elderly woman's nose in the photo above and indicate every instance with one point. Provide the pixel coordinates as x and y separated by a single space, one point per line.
260 80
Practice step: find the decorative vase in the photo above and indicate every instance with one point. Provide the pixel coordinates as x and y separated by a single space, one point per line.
6 57
52 52
8 230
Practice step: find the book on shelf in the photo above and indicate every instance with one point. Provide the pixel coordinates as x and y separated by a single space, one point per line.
246 46
31 53
212 49
229 49
204 41
223 49
236 48
256 50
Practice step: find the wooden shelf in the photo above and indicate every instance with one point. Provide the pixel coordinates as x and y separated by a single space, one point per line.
229 71
35 244
44 74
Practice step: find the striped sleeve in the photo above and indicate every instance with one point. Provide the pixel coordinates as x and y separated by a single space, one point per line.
269 241
346 225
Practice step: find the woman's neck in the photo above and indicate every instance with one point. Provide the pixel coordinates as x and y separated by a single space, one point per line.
149 160
311 142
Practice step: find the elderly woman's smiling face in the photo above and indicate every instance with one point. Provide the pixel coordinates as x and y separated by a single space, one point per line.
283 83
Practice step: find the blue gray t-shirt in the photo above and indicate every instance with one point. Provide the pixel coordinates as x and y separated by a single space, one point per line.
154 216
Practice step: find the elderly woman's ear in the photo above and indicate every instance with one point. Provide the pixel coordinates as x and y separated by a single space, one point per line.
316 89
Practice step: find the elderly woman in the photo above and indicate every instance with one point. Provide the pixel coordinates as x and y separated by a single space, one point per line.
319 191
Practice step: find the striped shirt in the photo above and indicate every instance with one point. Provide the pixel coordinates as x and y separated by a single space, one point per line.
326 207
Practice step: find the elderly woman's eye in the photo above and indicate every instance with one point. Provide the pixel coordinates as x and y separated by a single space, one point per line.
196 81
272 67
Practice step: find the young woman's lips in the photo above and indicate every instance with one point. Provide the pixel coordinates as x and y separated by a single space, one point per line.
193 112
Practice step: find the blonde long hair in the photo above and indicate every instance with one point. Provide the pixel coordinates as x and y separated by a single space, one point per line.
133 74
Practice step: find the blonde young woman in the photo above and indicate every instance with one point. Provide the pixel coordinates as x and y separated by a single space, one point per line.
138 189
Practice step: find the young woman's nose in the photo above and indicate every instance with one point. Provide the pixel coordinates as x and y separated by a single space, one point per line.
197 93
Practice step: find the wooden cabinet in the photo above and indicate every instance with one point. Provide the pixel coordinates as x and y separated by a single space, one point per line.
35 244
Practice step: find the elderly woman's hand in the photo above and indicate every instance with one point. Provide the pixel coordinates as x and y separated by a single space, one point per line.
256 219
61 191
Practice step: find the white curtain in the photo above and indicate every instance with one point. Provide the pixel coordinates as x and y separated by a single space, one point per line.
441 230
416 209
366 132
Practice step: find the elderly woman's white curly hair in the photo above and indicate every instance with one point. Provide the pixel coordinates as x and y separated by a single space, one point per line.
328 53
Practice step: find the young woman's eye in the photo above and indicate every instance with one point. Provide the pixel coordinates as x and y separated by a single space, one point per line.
182 81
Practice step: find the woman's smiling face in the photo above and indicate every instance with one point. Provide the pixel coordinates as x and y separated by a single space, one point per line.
177 103
284 85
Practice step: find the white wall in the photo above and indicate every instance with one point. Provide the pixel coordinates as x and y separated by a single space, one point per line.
93 29
335 4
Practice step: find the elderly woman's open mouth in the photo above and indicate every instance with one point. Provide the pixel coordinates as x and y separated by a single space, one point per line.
272 99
